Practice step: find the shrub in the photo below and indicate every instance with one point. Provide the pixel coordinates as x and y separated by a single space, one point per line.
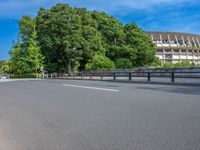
100 62
123 63
156 62
35 75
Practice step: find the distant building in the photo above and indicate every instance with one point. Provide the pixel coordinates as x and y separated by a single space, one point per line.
175 47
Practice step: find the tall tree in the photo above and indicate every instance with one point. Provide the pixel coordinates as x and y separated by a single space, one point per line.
34 58
17 59
67 37
145 49
71 37
59 36
25 55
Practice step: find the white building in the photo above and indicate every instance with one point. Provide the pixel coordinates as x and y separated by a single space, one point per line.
175 47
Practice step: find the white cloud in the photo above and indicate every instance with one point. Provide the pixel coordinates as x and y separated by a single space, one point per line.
145 3
116 5
15 8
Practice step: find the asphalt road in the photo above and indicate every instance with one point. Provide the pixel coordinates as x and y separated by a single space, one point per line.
95 115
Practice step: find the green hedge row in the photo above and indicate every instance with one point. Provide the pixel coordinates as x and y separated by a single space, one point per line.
35 75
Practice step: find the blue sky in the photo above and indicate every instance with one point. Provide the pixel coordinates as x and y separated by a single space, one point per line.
156 15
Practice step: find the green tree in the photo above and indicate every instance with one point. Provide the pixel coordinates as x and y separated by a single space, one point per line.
34 58
27 27
25 55
5 67
123 63
71 37
125 51
156 62
67 36
100 62
92 45
110 28
17 59
145 49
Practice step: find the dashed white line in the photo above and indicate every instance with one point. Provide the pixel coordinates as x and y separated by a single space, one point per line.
89 87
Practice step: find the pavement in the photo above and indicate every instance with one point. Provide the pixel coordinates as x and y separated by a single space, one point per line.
12 80
98 115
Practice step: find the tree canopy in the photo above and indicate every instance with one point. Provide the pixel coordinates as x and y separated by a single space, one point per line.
100 62
5 67
26 56
69 38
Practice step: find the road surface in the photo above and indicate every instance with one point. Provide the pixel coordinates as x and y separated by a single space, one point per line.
95 115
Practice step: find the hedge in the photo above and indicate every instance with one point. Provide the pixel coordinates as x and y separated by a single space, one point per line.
26 76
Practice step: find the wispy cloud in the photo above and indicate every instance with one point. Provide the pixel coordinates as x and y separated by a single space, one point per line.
162 15
180 16
15 8
149 14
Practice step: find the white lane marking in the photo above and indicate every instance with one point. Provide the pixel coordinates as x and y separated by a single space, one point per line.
89 87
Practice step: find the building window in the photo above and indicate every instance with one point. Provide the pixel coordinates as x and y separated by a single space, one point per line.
168 56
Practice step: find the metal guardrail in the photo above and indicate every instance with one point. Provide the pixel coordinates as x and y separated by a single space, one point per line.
130 74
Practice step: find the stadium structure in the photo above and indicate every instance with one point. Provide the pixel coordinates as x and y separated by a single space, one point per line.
175 47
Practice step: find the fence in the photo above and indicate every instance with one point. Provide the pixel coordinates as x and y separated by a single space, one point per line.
133 75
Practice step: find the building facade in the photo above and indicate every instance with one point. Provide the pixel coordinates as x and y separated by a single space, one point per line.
176 47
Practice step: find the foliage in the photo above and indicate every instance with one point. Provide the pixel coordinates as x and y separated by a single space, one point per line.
67 36
34 58
5 67
1 62
127 52
100 62
64 38
168 65
16 58
71 37
25 56
137 39
123 63
34 75
156 62
179 64
185 64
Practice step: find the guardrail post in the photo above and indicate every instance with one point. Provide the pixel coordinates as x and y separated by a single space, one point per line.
129 76
74 76
66 75
149 76
173 77
114 76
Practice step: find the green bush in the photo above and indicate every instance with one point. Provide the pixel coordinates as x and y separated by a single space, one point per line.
181 64
185 64
100 62
123 63
35 75
156 62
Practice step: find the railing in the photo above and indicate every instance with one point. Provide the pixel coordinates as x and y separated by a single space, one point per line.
131 75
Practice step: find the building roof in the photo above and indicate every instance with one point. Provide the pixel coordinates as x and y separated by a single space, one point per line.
156 35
